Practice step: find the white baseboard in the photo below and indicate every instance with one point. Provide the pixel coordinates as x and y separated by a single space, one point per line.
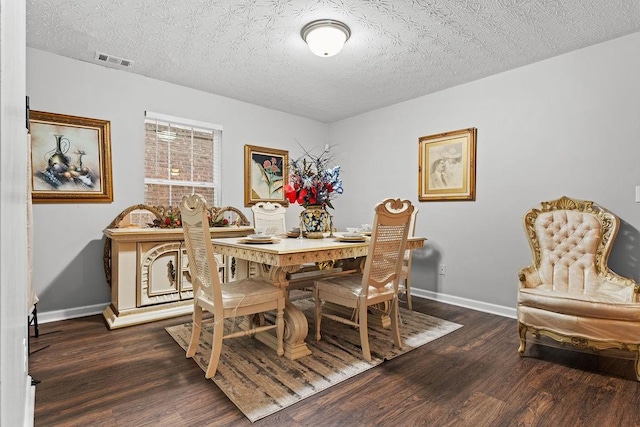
70 313
467 303
90 310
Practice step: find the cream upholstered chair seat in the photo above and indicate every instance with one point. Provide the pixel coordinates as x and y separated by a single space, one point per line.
246 297
609 306
247 291
569 293
377 287
348 288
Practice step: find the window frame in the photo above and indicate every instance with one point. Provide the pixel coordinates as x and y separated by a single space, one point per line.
193 125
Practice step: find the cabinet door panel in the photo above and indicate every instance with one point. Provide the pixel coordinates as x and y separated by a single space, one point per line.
159 267
162 274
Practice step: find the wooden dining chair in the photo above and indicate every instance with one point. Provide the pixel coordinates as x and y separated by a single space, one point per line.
270 217
224 300
377 287
404 287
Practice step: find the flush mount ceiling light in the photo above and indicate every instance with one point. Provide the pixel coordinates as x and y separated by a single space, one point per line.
325 37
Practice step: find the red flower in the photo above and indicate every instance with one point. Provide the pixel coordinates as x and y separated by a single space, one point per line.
302 195
290 193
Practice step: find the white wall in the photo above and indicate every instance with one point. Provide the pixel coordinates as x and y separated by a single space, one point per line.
16 399
565 126
69 275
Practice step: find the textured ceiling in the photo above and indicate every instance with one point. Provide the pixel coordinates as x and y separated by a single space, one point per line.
252 51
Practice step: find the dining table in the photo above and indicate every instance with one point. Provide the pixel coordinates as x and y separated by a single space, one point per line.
281 257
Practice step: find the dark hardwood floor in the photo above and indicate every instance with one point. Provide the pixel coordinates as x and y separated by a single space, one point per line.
138 376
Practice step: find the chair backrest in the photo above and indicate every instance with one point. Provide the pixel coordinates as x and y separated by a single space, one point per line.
197 242
571 241
412 232
270 217
387 245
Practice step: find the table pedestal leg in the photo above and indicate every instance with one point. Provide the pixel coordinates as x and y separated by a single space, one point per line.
296 326
295 331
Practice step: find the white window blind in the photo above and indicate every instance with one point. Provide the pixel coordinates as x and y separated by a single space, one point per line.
182 157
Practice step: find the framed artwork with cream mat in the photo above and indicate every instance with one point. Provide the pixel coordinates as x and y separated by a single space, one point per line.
447 166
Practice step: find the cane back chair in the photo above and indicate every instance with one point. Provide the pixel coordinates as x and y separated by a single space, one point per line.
244 297
377 287
404 287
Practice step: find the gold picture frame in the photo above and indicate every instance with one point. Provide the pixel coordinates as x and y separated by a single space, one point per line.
447 166
266 171
70 159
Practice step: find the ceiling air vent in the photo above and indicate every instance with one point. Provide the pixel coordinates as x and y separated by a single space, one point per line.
113 60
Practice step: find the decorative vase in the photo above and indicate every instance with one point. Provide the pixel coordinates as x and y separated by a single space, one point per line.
314 221
59 160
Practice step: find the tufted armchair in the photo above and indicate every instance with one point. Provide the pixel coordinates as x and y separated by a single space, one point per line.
568 293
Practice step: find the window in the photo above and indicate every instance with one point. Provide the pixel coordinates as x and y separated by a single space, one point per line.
182 157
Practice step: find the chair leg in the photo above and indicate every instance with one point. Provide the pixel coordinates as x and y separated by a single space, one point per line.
638 364
280 328
318 315
407 291
364 332
216 347
522 332
196 327
395 323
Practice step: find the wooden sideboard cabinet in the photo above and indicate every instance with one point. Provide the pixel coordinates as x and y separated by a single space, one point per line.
150 274
147 267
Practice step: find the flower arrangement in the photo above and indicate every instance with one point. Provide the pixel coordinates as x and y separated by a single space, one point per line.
312 181
170 220
169 217
218 222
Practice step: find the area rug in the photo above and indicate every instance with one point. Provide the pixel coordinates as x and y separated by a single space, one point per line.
260 383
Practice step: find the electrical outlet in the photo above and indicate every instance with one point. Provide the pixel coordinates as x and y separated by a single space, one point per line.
443 269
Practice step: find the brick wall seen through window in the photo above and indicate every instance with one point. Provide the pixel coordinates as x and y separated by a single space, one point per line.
180 159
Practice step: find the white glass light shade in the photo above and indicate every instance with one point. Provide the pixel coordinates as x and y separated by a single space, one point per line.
325 37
